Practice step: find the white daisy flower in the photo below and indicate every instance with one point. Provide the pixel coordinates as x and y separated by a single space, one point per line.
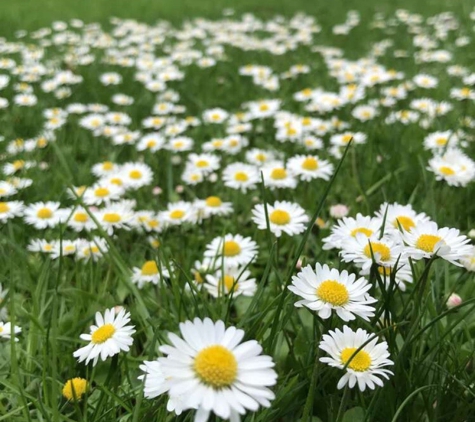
399 217
7 189
215 115
6 331
148 273
276 176
63 248
109 336
44 214
179 212
427 240
284 217
454 167
402 273
211 370
364 366
81 220
115 216
151 142
203 163
106 168
136 175
240 176
439 141
308 167
325 289
213 205
231 250
102 193
10 210
233 281
41 245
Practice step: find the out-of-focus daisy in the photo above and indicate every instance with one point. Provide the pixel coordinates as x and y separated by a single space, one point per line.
63 248
148 273
427 240
233 281
81 220
363 367
10 210
439 141
6 331
179 212
116 216
454 167
308 167
399 217
203 163
43 214
325 290
231 250
215 115
6 189
136 175
213 205
276 176
94 249
284 217
102 193
109 336
240 176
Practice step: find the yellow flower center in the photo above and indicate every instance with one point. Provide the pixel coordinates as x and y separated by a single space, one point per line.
18 164
279 217
218 144
44 213
261 157
215 116
213 201
149 268
263 107
116 181
333 292
446 171
74 388
81 217
202 163
362 230
405 222
310 164
177 214
230 283
378 248
441 141
70 248
178 144
135 174
346 138
102 334
107 166
360 362
216 366
231 248
384 271
240 176
427 242
111 217
291 131
278 174
4 207
151 144
101 192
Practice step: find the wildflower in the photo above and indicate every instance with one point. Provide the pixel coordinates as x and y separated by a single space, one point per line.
233 281
6 331
231 250
454 300
74 388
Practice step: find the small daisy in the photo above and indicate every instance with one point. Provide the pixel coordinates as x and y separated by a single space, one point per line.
276 176
81 220
95 249
399 217
363 366
109 336
284 217
116 216
215 115
10 210
41 245
203 163
308 167
325 289
151 142
63 248
427 240
148 273
179 212
136 175
106 168
6 331
213 205
102 193
212 370
44 214
241 176
7 189
454 167
233 281
231 250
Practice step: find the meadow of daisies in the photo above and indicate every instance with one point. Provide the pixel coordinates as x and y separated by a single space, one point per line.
242 218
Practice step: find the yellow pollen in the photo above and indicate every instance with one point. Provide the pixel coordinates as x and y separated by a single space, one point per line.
151 144
405 222
278 174
18 164
116 181
81 217
216 366
74 388
135 174
177 214
279 217
69 248
231 248
44 213
362 230
4 207
202 163
310 164
360 362
149 268
240 176
101 192
107 166
441 141
178 144
111 217
446 171
333 292
102 334
218 144
213 201
427 242
229 283
346 138
384 271
263 107
378 248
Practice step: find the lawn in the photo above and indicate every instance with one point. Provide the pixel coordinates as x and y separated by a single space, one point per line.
257 211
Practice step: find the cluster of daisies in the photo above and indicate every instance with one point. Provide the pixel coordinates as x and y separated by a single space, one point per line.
160 171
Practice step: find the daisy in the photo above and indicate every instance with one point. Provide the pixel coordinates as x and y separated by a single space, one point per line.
233 281
211 370
284 217
363 251
427 240
148 273
109 336
215 115
151 142
102 193
7 189
325 289
363 366
276 176
308 167
10 210
63 248
401 273
41 245
180 144
240 176
95 249
6 331
213 205
231 250
399 217
80 220
203 163
179 212
343 139
454 167
439 141
115 216
260 157
136 175
44 214
349 227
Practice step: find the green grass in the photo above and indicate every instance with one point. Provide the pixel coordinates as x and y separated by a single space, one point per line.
54 301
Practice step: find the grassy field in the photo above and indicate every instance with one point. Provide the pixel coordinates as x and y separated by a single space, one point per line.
145 252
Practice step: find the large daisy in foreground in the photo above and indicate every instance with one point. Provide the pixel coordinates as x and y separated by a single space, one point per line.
211 370
363 366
